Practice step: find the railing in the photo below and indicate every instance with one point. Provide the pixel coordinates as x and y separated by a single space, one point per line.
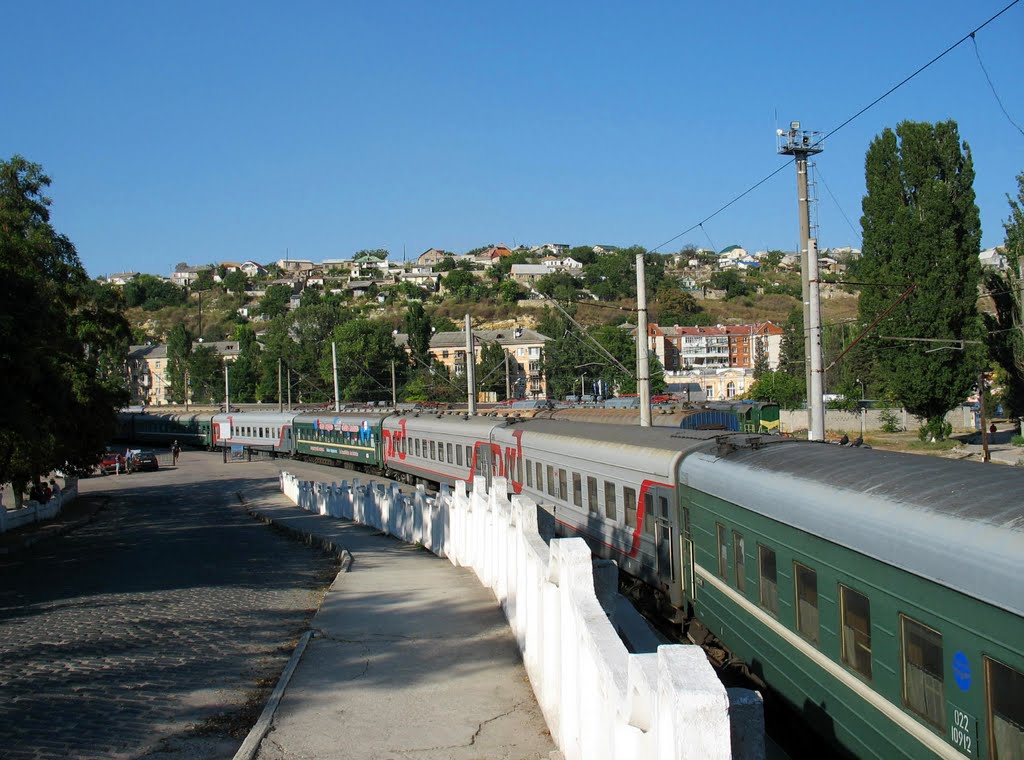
33 512
599 700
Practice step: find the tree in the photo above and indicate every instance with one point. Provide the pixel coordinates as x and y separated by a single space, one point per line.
152 293
245 372
490 372
732 282
179 351
922 227
461 283
236 282
63 340
674 306
206 376
275 301
365 352
793 350
1006 326
561 286
786 390
417 327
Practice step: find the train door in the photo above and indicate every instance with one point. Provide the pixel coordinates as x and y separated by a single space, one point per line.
664 538
686 544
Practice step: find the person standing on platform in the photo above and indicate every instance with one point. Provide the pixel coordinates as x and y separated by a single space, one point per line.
175 453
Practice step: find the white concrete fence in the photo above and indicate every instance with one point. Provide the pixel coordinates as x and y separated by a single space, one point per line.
599 700
32 512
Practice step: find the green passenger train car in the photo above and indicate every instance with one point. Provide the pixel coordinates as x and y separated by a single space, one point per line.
883 602
189 429
353 437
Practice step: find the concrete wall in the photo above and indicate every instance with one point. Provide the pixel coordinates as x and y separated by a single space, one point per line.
961 418
599 700
33 512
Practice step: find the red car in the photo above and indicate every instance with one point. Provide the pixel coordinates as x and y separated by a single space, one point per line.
111 463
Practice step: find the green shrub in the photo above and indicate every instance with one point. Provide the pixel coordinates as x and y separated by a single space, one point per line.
890 421
1017 440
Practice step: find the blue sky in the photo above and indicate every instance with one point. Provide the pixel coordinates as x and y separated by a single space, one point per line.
219 131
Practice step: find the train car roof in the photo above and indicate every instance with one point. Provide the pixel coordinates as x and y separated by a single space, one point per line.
343 416
959 524
271 418
479 426
655 437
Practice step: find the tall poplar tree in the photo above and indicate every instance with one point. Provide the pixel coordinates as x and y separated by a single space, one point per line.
1006 326
921 226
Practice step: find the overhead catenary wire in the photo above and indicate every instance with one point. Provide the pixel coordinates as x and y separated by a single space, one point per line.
993 87
843 124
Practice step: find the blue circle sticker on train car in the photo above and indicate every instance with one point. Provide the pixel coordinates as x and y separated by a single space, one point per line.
962 671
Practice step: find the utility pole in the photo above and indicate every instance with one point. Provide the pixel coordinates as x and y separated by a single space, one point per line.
508 379
227 390
800 144
280 401
334 365
289 370
643 366
394 388
985 456
186 388
470 366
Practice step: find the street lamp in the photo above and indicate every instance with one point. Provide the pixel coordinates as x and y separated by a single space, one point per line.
583 387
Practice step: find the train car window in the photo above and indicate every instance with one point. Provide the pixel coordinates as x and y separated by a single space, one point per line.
856 624
592 495
458 455
551 480
577 489
510 463
540 477
563 486
519 469
469 455
723 552
806 602
739 559
440 451
529 474
1004 689
649 516
449 447
629 505
433 454
923 672
769 586
416 445
610 510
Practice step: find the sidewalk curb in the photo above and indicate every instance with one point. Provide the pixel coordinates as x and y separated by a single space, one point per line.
256 734
253 741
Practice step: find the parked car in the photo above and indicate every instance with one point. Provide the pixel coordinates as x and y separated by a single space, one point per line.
112 462
145 460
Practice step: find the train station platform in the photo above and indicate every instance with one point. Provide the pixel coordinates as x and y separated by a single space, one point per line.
408 657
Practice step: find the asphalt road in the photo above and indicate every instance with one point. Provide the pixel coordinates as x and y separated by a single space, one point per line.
156 630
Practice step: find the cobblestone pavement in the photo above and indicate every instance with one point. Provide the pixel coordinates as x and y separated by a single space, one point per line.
148 631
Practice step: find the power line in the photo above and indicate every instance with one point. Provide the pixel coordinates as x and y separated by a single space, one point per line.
876 101
992 86
821 176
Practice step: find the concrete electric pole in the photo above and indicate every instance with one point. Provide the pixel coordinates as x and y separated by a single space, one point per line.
470 366
643 364
800 144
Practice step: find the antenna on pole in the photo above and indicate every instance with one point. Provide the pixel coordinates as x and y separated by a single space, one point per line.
800 144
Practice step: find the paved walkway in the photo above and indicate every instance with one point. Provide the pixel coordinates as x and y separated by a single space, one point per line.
410 658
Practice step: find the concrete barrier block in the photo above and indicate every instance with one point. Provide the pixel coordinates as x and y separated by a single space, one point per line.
746 721
692 709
